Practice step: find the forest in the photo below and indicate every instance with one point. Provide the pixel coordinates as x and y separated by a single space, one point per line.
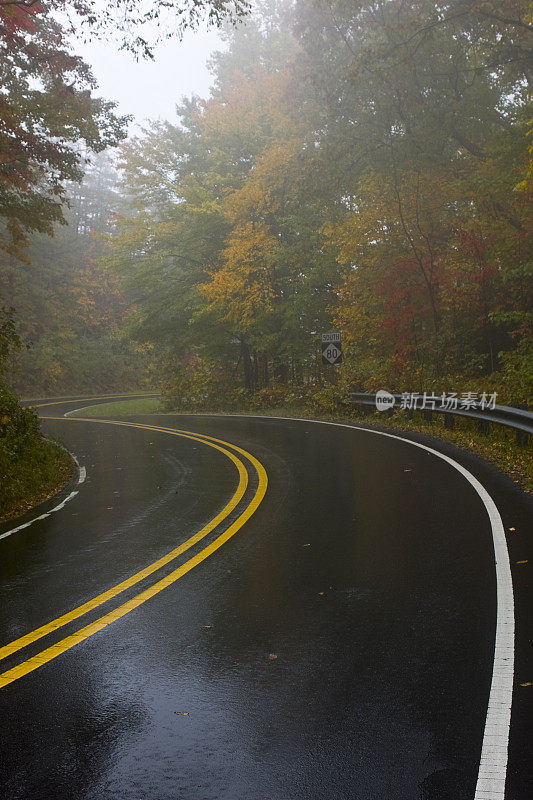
362 167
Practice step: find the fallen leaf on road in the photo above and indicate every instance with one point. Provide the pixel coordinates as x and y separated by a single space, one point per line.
182 713
272 656
207 626
527 683
522 562
321 593
307 545
512 529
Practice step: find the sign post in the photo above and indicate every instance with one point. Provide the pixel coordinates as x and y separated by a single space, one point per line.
331 348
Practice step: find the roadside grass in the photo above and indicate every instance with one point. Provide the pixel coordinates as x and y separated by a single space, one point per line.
498 446
35 475
122 408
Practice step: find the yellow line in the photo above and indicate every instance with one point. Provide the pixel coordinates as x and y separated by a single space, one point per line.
70 641
33 636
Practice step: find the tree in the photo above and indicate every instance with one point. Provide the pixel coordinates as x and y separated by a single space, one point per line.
46 107
220 256
47 113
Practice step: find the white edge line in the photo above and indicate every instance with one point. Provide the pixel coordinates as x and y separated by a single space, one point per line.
494 751
82 474
83 408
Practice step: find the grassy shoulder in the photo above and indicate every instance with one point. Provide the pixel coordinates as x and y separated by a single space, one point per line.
122 408
35 475
32 468
498 447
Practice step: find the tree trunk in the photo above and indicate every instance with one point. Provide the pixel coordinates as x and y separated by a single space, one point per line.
255 371
246 363
281 371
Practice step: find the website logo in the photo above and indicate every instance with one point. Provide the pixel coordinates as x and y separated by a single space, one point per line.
384 400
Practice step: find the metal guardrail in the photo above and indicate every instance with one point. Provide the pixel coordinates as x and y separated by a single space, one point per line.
516 417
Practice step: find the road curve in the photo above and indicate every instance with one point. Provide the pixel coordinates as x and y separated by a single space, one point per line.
338 643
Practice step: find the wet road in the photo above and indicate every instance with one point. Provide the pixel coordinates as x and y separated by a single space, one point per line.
338 644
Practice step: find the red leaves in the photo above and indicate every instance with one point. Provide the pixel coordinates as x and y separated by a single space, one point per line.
16 20
473 244
405 291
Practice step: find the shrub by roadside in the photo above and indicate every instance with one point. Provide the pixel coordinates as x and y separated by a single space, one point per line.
32 468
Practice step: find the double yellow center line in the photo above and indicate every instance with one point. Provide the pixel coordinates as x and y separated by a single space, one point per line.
84 633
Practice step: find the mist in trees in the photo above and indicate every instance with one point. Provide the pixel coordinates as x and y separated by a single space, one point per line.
358 166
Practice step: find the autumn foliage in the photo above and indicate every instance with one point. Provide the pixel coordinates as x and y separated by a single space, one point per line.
361 166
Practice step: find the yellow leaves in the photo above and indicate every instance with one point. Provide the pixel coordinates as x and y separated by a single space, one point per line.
278 166
250 248
246 283
270 184
250 202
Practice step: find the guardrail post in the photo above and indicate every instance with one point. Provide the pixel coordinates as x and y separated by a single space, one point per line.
521 436
428 415
483 426
449 421
410 413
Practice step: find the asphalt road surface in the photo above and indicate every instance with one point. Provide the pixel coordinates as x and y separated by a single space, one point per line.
284 611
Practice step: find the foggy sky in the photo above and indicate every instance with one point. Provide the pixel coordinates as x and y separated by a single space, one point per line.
151 89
